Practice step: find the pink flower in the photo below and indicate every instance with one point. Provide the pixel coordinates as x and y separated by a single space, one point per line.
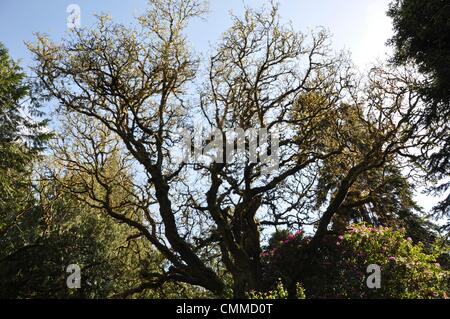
299 232
392 258
285 241
409 239
341 237
338 243
291 236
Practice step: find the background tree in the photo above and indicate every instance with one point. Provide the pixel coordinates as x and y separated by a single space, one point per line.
380 197
422 37
21 139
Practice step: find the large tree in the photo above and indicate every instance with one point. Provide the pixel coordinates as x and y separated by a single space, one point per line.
21 139
207 217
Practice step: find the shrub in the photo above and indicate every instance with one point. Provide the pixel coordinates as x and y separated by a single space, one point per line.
338 269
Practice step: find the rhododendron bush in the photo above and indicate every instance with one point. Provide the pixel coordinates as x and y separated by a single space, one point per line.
338 269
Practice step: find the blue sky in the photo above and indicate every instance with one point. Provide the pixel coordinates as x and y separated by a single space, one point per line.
359 26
